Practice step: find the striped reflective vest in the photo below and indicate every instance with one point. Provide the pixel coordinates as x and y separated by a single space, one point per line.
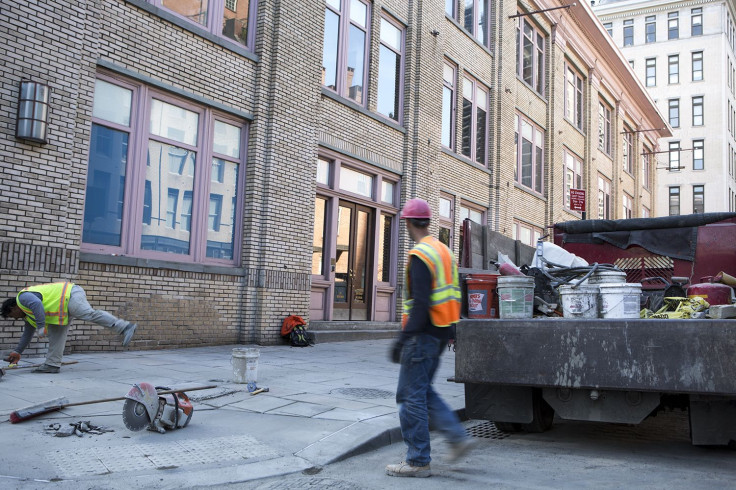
55 299
444 300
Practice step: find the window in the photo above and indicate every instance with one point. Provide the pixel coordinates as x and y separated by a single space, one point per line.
673 62
628 151
674 201
448 106
698 199
609 28
673 25
475 121
356 182
526 233
629 32
631 64
230 19
529 154
450 9
696 22
674 112
574 98
697 66
447 219
573 175
389 70
475 214
651 29
604 128
186 162
698 155
651 77
318 237
698 110
604 198
674 156
477 13
530 55
344 57
645 213
628 203
646 167
384 248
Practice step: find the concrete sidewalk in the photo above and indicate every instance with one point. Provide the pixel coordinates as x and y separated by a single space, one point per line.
325 403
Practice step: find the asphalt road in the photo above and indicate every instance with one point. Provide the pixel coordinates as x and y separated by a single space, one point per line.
573 455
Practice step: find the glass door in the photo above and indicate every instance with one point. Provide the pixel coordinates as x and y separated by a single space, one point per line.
352 256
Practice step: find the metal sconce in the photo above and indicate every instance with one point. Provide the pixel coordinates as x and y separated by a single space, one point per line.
33 111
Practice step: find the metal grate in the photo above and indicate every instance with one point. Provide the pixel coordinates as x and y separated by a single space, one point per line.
638 268
486 430
363 392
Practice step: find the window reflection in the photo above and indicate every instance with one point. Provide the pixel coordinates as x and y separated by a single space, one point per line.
195 10
221 222
318 240
235 20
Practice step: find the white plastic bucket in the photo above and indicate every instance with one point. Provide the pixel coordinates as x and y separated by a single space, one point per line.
515 296
607 277
620 300
245 364
579 302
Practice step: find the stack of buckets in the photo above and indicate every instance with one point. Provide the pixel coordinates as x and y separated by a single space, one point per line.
605 294
495 296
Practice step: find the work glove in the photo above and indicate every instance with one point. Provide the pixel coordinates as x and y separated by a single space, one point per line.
41 332
12 358
394 354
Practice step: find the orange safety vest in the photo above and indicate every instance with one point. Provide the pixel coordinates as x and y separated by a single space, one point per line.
55 299
444 300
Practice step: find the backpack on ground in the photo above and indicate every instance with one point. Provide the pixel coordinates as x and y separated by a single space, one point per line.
294 328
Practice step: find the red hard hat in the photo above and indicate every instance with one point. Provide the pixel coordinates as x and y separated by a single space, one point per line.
416 208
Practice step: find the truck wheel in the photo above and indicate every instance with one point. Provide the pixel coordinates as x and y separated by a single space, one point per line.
543 415
508 426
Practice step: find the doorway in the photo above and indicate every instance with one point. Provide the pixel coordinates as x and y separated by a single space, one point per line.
352 262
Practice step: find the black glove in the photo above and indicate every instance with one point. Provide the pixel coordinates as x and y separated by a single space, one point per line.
394 354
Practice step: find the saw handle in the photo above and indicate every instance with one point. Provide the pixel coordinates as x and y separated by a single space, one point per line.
103 400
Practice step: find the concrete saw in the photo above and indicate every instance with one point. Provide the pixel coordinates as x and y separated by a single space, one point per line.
145 407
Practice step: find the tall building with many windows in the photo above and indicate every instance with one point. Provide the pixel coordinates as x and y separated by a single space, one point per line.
207 168
685 52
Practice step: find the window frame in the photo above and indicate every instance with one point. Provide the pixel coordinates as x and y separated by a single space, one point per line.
650 72
477 87
452 116
646 167
573 110
650 22
673 107
538 55
215 14
628 150
447 222
673 152
673 61
605 121
697 59
628 206
537 168
698 192
699 154
572 164
673 26
628 32
696 22
698 110
604 197
535 232
140 136
343 44
674 200
400 75
475 21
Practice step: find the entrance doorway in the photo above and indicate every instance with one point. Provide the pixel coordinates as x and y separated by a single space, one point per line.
352 262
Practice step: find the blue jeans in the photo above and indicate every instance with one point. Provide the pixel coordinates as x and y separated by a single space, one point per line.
418 402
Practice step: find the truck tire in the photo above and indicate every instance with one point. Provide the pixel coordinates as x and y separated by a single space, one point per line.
508 426
543 415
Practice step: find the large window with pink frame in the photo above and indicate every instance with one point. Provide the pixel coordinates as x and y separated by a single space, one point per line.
164 177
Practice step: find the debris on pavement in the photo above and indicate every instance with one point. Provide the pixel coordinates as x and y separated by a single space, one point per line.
76 429
212 395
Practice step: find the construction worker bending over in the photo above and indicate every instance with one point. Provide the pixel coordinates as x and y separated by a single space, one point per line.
431 307
48 310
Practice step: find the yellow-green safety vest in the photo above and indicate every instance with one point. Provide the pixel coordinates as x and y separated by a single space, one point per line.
55 299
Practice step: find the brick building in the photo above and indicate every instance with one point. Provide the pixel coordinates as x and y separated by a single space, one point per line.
208 168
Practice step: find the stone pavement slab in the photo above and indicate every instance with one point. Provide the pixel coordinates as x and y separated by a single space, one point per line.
324 403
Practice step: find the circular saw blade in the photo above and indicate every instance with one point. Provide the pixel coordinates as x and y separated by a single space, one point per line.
135 415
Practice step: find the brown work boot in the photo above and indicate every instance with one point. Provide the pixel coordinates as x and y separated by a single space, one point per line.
405 469
46 368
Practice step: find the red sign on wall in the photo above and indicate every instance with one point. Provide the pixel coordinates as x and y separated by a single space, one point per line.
577 200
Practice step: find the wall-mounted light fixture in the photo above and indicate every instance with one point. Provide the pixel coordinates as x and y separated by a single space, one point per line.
33 111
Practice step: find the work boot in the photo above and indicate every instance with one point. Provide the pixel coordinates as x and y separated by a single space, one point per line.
46 368
128 333
405 469
460 449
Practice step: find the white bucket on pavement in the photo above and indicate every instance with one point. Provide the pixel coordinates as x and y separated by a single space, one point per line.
245 364
620 300
607 277
515 296
579 302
